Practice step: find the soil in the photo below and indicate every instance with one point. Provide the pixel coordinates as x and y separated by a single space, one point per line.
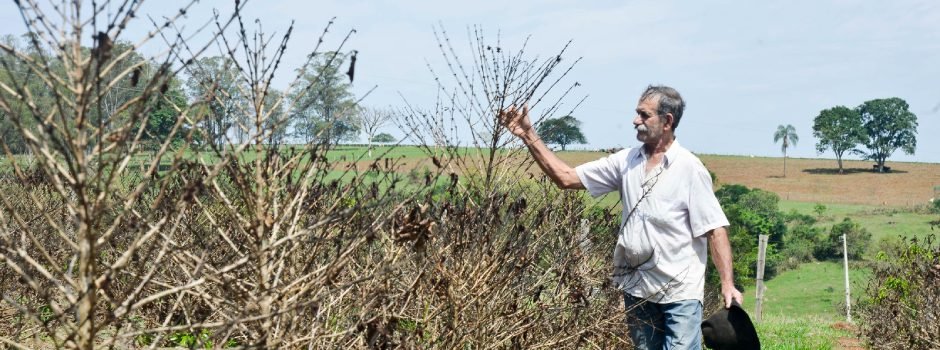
847 343
818 180
806 180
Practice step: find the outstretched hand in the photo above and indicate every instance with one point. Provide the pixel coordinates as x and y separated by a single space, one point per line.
517 121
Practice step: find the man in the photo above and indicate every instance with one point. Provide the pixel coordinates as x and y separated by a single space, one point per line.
670 219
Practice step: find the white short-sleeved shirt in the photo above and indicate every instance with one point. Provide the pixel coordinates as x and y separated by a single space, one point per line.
662 248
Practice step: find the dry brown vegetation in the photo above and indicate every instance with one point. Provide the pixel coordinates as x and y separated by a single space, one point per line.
99 249
102 246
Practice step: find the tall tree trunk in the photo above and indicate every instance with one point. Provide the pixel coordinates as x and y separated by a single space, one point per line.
839 159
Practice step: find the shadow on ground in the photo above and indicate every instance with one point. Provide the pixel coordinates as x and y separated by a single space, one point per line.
847 171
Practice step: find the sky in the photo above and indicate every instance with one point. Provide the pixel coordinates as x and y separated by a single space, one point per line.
743 67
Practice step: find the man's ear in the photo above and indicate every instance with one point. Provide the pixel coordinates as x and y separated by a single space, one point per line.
669 119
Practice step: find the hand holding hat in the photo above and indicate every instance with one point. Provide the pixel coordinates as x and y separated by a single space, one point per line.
730 329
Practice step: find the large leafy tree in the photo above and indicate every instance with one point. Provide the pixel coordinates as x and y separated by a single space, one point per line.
889 125
124 88
561 131
14 73
786 134
324 110
214 83
839 129
164 114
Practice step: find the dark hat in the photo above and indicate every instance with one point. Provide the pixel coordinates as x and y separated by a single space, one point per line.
730 329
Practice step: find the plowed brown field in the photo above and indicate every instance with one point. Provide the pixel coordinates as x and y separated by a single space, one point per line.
817 180
807 180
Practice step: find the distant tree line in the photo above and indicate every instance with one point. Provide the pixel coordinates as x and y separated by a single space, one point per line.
324 109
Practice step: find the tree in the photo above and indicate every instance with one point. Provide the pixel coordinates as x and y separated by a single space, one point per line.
165 112
561 131
13 72
372 119
277 122
889 125
383 138
214 81
789 137
124 89
858 240
324 109
752 212
839 129
17 74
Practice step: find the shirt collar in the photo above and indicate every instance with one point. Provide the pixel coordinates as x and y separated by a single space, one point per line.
668 158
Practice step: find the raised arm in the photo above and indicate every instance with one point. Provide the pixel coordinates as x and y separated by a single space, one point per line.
517 122
720 248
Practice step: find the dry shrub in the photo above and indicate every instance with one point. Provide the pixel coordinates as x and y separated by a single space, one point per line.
110 237
902 306
510 260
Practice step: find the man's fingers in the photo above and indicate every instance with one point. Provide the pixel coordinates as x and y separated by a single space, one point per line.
511 110
507 115
734 296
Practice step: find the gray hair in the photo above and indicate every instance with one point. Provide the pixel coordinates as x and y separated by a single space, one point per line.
669 102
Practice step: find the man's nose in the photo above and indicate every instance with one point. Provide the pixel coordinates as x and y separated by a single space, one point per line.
637 120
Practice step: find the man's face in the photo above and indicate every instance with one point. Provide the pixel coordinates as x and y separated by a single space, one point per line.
649 126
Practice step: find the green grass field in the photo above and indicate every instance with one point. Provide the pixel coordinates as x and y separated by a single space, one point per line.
814 290
778 332
882 222
801 306
353 153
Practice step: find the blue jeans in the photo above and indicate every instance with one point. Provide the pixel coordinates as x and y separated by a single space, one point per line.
672 326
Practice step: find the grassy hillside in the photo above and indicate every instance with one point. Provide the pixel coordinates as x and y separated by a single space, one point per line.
883 222
813 290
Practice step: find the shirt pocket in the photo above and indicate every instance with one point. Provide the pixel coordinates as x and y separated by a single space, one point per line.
661 206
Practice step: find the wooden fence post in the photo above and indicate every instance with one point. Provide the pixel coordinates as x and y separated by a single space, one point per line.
761 258
848 298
